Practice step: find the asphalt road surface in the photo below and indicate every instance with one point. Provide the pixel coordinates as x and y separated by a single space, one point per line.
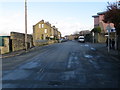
62 65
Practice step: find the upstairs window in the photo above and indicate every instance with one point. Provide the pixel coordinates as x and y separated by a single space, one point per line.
39 25
42 25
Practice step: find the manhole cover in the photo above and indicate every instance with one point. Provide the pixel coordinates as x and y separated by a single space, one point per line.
55 83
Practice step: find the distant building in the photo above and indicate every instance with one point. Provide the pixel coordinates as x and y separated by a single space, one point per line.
84 32
55 33
72 37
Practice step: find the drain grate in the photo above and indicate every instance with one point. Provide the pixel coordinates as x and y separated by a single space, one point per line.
55 83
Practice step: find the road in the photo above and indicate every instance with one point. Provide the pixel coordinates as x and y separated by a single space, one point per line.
62 65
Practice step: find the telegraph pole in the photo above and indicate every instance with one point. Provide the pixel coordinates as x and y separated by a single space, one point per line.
26 25
93 34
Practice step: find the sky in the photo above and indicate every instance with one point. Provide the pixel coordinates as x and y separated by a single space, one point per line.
68 16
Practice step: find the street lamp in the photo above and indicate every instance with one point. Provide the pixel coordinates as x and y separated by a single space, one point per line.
26 25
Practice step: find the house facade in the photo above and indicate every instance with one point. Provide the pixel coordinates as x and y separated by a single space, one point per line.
43 31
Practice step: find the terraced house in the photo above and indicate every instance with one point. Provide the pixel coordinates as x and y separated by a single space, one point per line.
55 33
43 32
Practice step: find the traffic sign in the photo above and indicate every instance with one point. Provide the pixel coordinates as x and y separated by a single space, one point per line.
108 28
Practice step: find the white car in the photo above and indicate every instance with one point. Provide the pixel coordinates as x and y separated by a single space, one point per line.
81 39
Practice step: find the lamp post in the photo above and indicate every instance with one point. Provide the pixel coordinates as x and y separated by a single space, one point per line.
108 28
26 25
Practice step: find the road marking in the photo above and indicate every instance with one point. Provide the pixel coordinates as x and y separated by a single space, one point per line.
41 70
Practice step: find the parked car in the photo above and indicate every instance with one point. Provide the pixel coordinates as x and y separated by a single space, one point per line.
81 39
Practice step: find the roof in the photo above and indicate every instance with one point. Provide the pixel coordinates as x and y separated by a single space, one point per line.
95 16
101 13
39 22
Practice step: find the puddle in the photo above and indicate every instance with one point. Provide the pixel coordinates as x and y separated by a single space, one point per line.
75 58
93 49
88 56
86 45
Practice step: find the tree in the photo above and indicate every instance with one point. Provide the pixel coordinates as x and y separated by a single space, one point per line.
112 15
96 30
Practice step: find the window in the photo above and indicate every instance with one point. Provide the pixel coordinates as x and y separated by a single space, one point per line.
45 30
42 25
39 25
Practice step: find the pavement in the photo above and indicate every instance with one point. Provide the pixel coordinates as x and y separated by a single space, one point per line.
101 47
19 52
62 65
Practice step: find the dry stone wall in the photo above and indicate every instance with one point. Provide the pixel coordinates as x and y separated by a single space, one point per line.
18 41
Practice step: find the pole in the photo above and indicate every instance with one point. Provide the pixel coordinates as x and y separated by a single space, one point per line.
108 28
93 36
115 41
108 41
26 25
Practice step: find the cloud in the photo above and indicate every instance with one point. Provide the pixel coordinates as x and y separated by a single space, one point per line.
70 25
16 23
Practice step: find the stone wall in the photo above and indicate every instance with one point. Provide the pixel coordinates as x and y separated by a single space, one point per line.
18 41
101 38
45 42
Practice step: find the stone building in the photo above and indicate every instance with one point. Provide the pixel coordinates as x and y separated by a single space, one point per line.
43 32
5 44
18 41
59 35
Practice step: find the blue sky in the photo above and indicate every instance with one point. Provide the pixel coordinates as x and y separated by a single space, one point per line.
68 17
